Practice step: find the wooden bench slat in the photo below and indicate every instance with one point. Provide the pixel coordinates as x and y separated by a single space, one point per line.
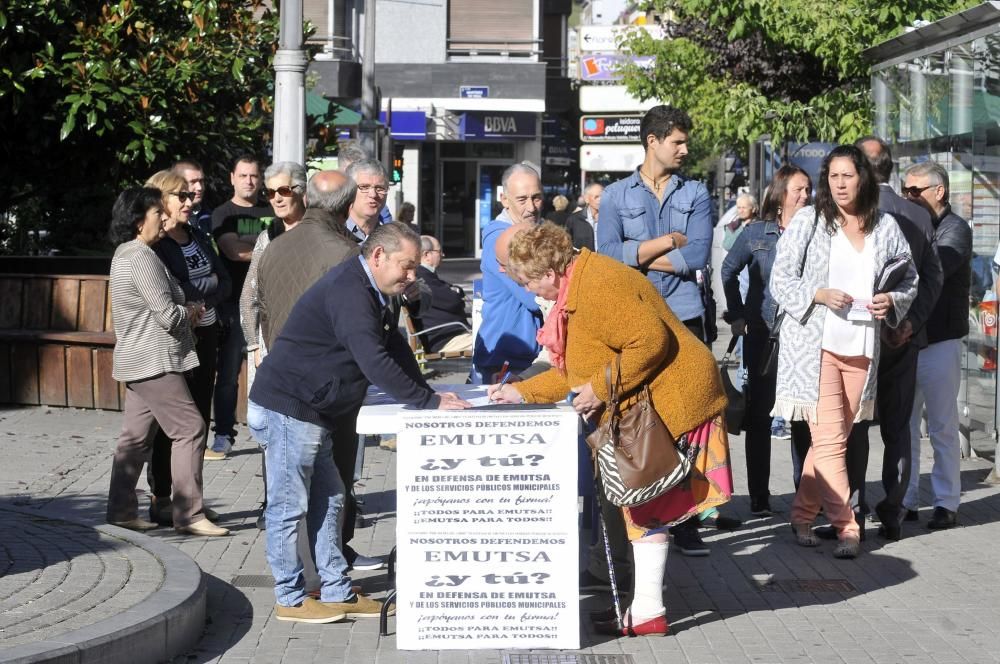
52 375
24 373
106 394
37 300
10 303
5 373
65 304
79 377
93 305
50 336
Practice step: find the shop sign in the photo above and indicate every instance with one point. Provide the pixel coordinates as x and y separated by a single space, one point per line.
610 128
606 66
611 158
407 125
486 534
613 99
608 37
473 91
498 124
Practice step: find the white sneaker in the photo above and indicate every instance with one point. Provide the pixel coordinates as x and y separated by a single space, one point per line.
222 443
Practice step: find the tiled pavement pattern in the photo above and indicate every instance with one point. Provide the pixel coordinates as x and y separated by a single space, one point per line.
932 597
57 576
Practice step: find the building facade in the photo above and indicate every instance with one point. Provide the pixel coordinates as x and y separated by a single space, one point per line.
937 97
464 87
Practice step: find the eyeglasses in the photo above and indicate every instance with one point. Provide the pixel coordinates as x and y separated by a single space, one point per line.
283 190
913 192
183 196
381 190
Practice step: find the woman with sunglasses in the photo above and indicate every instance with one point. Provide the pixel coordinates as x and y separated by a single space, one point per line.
154 350
191 260
284 186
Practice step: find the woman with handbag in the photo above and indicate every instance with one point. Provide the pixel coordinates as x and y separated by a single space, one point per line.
609 315
753 314
823 279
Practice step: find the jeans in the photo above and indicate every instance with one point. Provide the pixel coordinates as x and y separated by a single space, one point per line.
302 480
232 350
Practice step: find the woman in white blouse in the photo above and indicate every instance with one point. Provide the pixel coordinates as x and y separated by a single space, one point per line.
830 281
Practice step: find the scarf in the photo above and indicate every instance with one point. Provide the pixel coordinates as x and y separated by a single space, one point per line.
552 334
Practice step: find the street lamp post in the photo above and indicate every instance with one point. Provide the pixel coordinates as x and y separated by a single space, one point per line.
369 112
290 63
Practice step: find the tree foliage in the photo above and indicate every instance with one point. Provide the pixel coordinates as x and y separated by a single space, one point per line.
96 96
792 69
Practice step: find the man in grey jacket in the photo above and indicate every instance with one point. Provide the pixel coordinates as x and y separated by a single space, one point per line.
939 367
897 366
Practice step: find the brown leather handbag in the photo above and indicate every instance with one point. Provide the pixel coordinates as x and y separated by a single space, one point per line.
634 452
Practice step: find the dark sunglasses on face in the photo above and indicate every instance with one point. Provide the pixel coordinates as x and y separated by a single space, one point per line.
913 192
183 196
283 190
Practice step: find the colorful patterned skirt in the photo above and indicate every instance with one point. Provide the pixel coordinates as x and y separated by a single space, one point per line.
709 484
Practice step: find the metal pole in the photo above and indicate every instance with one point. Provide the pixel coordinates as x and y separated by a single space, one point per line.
290 63
369 113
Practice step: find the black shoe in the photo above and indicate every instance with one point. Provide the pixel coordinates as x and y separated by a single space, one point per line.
889 529
942 519
161 511
912 515
355 561
261 523
723 522
761 507
687 539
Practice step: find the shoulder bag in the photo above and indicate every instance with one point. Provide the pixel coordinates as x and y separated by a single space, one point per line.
770 362
637 457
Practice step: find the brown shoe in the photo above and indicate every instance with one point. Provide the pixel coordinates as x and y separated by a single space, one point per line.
847 548
388 444
203 528
361 606
309 611
136 524
212 455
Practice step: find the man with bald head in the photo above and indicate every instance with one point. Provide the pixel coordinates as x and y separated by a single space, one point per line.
511 316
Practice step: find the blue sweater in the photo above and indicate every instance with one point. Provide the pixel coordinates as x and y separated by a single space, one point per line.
511 316
337 341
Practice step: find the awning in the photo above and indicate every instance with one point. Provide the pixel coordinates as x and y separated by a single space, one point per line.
326 112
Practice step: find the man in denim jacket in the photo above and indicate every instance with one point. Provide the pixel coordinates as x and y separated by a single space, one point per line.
659 222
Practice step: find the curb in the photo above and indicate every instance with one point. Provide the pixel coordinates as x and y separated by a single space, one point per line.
167 623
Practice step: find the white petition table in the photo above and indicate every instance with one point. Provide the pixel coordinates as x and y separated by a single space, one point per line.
486 524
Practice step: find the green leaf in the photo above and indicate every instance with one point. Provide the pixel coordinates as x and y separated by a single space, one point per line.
237 69
67 126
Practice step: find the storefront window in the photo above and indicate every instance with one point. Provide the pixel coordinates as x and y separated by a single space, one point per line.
945 107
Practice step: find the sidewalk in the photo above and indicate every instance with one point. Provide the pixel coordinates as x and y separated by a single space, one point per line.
932 597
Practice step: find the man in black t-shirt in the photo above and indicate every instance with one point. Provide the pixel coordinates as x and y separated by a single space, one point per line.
235 227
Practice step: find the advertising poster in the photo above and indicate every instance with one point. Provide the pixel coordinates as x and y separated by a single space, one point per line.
486 535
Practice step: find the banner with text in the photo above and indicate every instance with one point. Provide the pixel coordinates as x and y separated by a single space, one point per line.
486 530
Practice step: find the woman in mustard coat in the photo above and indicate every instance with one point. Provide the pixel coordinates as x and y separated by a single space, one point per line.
603 309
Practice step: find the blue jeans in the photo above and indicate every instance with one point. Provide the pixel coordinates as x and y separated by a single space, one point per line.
302 480
232 351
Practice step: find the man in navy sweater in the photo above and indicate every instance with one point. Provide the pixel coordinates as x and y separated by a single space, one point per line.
339 338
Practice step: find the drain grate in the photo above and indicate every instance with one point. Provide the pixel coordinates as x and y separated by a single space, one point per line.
564 658
253 581
806 585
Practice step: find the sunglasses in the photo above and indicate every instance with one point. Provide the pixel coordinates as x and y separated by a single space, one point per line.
183 196
285 191
913 192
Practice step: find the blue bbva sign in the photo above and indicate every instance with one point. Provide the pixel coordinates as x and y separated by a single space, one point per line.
497 124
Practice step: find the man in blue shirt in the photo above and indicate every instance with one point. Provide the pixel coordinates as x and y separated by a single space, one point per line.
660 223
511 316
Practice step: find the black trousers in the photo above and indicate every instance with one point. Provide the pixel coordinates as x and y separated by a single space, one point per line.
345 453
201 383
759 402
897 378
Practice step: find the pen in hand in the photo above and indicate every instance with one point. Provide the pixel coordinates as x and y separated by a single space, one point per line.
504 376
